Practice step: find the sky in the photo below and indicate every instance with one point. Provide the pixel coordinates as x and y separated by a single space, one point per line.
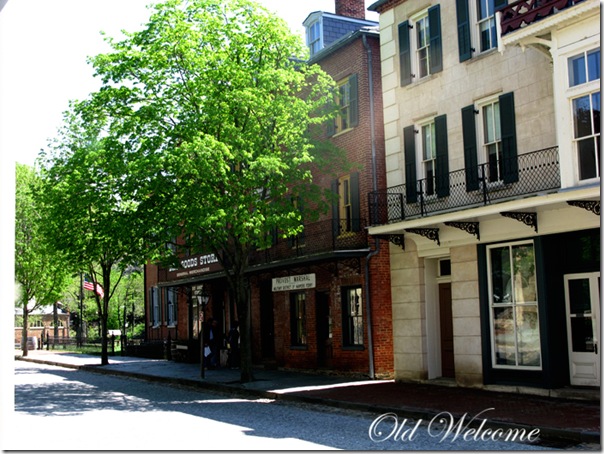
43 49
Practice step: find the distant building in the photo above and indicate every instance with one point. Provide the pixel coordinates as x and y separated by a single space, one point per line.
41 324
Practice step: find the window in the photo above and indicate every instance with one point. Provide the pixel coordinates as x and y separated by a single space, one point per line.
490 152
171 305
513 306
584 76
155 314
420 53
430 152
346 210
298 319
476 26
348 105
313 37
352 313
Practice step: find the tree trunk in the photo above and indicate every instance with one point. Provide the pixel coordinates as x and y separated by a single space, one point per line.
24 331
245 328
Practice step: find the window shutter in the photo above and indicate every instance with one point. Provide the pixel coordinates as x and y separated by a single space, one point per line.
470 150
404 53
410 172
436 47
353 81
335 209
498 4
463 30
442 156
508 138
355 202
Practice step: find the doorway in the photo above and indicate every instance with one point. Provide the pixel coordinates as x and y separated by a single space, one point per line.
447 354
582 302
267 321
324 344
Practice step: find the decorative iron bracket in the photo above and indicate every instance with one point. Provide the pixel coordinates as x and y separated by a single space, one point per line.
589 205
431 234
529 219
470 227
398 239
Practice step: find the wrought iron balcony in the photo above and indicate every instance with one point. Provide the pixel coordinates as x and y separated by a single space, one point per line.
525 12
317 238
537 172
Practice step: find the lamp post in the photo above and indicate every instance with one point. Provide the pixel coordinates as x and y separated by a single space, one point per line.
202 300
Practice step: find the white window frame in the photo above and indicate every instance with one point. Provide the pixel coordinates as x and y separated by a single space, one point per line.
477 21
422 158
588 88
171 303
513 305
414 48
483 144
314 43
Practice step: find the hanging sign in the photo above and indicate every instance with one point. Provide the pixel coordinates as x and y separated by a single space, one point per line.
299 282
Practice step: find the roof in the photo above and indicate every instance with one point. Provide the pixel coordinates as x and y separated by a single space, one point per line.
343 41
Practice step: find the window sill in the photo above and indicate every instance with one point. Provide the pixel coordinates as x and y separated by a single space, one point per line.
342 132
353 348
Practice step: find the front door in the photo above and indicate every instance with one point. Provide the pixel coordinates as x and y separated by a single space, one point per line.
267 321
324 347
582 297
447 353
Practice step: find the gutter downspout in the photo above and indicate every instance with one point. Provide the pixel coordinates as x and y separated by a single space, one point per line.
374 175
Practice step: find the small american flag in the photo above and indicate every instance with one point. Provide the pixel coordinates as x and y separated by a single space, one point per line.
90 286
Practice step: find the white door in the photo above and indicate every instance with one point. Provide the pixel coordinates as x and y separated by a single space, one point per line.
582 296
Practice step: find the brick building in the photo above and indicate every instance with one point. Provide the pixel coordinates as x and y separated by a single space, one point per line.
320 300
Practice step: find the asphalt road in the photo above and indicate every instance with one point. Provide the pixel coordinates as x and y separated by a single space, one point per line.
59 408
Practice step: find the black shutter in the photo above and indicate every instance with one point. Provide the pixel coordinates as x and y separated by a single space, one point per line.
442 156
404 53
353 80
410 172
470 151
463 30
509 149
335 208
355 202
436 47
498 4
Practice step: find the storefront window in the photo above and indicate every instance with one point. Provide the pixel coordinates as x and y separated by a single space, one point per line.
513 305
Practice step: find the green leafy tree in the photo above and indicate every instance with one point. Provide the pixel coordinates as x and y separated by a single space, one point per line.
89 215
214 117
40 271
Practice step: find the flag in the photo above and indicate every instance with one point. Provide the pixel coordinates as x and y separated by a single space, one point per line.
90 286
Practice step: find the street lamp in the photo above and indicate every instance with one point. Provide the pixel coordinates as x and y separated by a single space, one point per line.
202 300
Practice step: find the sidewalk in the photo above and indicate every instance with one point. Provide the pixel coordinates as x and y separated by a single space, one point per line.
558 419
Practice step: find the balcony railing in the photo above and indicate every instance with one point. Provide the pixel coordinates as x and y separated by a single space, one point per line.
317 238
538 171
525 12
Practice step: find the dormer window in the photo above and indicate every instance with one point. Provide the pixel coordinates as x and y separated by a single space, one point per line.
313 37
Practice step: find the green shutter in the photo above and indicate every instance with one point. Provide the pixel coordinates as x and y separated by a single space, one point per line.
470 150
404 53
355 202
463 30
442 156
436 47
508 138
410 172
498 4
353 81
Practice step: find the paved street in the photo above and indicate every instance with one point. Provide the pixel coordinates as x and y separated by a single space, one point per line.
59 408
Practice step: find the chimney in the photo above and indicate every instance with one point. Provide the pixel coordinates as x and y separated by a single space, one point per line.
351 8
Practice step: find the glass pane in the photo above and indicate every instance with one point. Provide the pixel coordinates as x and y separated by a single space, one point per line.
500 275
576 70
593 65
493 162
489 129
525 288
587 158
579 297
529 345
595 108
582 334
504 342
582 117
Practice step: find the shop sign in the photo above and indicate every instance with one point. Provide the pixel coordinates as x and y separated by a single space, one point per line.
195 266
299 282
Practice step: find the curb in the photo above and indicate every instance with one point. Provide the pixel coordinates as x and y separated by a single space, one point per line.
546 434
